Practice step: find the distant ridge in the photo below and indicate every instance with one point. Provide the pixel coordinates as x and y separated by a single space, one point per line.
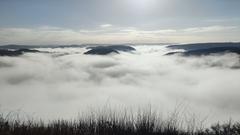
16 46
205 49
196 46
104 50
5 52
13 46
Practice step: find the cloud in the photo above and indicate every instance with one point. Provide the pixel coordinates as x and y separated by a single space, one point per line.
114 34
53 87
106 25
220 20
209 29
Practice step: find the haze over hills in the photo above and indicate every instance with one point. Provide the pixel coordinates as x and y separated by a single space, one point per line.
16 46
195 46
208 51
197 49
17 52
104 50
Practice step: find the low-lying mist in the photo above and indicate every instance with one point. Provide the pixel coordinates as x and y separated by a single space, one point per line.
65 82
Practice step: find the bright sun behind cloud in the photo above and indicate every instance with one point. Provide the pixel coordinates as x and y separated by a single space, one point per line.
142 4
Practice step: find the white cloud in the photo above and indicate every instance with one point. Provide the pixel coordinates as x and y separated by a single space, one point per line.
210 29
56 35
106 25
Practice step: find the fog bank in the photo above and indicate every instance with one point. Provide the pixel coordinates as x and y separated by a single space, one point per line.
64 82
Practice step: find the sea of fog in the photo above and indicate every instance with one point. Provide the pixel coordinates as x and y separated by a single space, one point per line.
65 82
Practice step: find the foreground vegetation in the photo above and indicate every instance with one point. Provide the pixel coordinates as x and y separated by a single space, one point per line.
112 123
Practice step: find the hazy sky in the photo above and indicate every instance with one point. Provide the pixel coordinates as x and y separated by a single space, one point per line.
111 21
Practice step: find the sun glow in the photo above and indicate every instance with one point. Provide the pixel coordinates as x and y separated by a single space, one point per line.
143 4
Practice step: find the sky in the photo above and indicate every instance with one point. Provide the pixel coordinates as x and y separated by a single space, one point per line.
118 21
